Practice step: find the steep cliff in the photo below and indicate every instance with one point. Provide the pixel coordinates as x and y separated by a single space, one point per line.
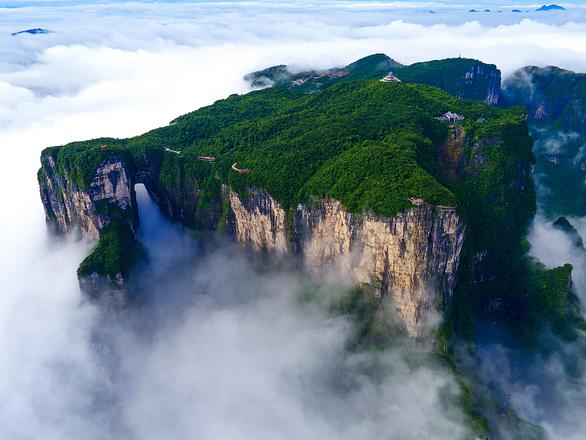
461 77
68 204
363 180
556 105
411 258
102 209
554 97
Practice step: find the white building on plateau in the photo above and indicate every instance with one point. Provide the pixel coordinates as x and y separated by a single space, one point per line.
450 117
390 78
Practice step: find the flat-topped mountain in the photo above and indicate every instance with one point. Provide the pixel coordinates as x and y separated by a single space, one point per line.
415 194
385 180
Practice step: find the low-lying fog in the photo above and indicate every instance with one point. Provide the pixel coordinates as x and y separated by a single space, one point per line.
547 386
217 348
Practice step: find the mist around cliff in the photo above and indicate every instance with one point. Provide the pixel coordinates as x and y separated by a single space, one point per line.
217 347
204 353
546 384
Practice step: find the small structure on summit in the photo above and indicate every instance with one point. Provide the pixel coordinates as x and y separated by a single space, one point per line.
390 77
450 117
240 170
209 159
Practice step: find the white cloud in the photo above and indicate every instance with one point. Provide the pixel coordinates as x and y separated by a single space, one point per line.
119 69
204 355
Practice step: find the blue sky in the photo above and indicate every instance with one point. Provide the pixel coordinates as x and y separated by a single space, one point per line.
488 4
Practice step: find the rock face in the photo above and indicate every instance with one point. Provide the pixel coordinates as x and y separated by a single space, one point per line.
68 206
411 258
109 198
553 96
488 79
258 221
461 77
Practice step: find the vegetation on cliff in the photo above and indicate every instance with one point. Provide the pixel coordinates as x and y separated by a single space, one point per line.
461 77
115 254
373 146
556 103
293 143
555 98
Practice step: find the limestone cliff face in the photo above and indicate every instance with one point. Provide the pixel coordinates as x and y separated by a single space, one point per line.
109 198
67 206
258 221
484 78
411 258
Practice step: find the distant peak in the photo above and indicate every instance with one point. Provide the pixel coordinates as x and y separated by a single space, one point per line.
34 31
378 62
546 8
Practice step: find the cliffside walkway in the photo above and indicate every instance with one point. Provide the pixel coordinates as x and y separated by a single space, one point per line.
240 170
168 150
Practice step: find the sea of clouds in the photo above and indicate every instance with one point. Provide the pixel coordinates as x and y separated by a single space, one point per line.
207 356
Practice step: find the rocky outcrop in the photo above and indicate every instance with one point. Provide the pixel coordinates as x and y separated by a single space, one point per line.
67 206
411 258
108 203
461 77
258 221
482 82
553 96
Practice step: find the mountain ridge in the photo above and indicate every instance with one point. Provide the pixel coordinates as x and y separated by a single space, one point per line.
374 150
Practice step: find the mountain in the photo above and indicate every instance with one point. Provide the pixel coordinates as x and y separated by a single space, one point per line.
556 103
268 77
554 96
370 67
546 8
418 195
461 77
369 162
35 31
